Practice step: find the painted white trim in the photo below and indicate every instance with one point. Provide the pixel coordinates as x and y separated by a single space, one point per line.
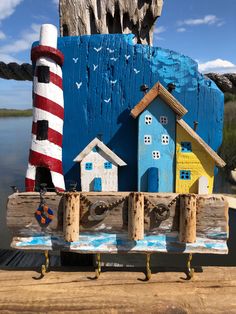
31 172
58 180
54 122
49 91
48 35
54 67
96 142
46 148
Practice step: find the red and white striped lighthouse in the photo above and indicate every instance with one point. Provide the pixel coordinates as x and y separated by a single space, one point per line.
45 158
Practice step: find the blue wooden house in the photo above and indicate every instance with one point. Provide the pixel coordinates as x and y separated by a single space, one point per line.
157 113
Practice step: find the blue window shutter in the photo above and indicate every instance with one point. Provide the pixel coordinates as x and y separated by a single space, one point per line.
153 180
185 174
89 166
97 187
107 165
186 147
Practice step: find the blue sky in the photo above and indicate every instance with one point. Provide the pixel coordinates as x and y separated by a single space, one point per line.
201 29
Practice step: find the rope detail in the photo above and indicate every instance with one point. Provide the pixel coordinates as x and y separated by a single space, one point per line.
14 71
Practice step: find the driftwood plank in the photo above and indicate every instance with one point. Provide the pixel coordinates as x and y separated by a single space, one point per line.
212 214
21 208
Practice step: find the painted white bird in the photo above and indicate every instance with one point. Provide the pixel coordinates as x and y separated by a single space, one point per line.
114 59
127 57
107 100
110 50
98 49
113 82
95 67
136 71
79 84
75 60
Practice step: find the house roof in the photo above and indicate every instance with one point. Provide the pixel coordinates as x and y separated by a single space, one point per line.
159 91
96 142
220 162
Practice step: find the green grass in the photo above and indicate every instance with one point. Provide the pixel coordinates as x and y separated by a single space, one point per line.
230 98
4 113
228 148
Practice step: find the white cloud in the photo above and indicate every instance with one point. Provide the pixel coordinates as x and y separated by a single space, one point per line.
159 30
8 51
8 58
181 30
55 2
218 66
206 20
2 35
7 8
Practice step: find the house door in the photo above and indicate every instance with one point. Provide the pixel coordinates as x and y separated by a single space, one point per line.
153 180
97 185
203 186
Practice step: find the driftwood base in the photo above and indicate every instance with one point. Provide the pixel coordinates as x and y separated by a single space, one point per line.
128 223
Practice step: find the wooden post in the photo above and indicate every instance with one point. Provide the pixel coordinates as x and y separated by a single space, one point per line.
187 218
110 17
136 216
71 216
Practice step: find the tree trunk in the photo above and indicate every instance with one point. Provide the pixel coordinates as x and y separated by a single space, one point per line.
79 17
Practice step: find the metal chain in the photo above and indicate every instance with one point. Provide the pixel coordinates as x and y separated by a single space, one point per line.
147 201
108 206
100 205
161 208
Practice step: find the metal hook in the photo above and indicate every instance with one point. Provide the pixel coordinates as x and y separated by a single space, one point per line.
45 267
190 271
43 191
148 269
98 269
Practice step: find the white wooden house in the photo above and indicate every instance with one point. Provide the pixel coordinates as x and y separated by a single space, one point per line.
99 168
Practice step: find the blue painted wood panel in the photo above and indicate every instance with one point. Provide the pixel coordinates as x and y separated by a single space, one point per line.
158 151
108 72
118 243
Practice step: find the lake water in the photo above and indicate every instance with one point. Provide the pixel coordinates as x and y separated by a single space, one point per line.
15 136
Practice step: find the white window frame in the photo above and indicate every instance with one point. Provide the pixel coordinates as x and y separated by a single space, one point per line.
148 119
164 120
147 139
156 154
165 139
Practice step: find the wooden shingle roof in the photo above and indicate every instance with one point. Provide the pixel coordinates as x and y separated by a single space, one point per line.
159 91
96 142
219 162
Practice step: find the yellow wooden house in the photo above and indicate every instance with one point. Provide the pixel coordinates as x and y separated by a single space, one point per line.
195 161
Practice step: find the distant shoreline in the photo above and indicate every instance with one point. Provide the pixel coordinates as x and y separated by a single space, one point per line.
7 113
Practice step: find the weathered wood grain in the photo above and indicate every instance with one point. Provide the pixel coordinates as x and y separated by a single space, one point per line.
110 16
187 226
21 208
71 216
68 291
212 214
136 216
